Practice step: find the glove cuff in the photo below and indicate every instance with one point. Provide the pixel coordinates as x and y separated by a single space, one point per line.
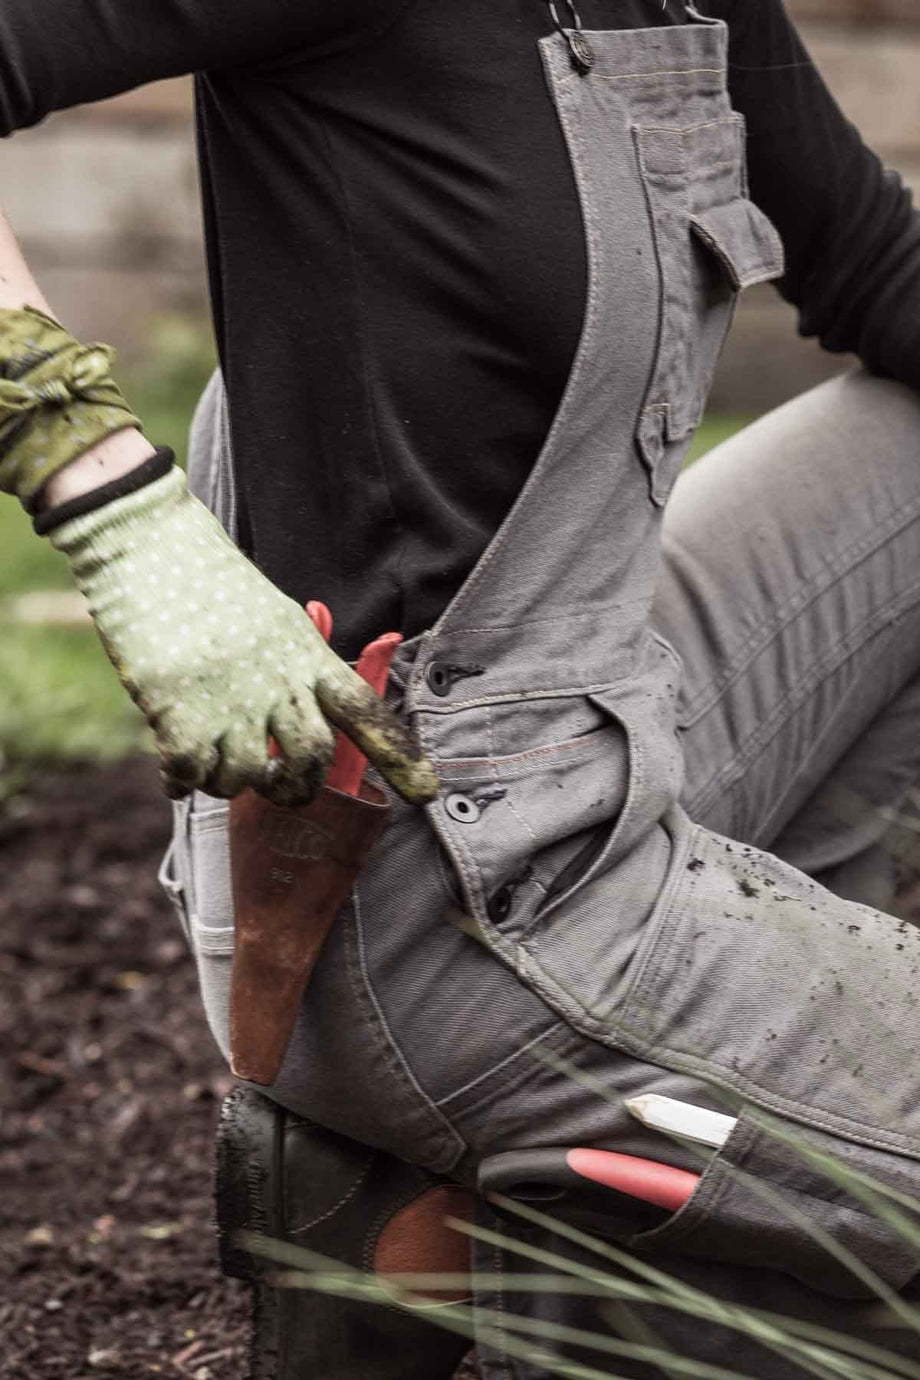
151 470
57 400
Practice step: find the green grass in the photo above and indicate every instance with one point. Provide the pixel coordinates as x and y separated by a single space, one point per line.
713 431
60 697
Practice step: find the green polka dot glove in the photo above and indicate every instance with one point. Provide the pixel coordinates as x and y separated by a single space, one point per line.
218 658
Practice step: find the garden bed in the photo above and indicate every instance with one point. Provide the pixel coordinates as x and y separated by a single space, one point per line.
112 1089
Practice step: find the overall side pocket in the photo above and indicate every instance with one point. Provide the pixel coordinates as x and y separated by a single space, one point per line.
210 906
764 1201
711 242
172 873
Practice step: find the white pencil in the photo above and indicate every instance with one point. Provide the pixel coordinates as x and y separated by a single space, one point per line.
666 1114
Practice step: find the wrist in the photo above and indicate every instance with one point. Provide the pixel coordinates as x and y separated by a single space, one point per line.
112 458
89 499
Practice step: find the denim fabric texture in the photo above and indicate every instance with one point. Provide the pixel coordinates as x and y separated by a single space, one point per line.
660 696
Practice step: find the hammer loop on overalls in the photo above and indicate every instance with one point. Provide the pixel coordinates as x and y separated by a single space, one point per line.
580 49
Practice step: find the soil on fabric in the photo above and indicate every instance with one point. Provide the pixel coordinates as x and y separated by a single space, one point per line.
111 1086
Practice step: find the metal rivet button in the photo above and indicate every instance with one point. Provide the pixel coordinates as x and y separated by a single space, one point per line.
462 808
439 678
582 53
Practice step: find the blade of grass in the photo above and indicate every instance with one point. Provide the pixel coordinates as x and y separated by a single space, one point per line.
844 1256
705 1305
628 1324
764 1328
862 1186
352 1283
815 1360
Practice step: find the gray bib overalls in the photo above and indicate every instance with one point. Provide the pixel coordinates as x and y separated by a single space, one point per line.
556 908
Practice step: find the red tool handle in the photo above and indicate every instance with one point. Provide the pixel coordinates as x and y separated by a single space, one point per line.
347 771
321 616
653 1182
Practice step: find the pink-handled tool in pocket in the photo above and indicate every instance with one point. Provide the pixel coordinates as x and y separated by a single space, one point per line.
588 1188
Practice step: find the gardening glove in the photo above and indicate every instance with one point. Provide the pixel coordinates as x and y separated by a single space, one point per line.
218 658
57 400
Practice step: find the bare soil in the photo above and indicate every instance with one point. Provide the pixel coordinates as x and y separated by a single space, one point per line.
110 1086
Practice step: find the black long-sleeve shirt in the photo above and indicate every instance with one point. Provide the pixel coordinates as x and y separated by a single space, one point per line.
396 254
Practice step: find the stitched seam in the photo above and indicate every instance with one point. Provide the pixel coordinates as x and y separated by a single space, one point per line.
694 1215
396 1060
501 1065
515 1077
647 959
559 745
543 692
634 790
757 642
748 264
675 72
507 769
774 67
732 121
548 692
324 1217
456 850
768 629
466 865
858 1131
572 615
522 820
802 765
804 686
548 454
496 778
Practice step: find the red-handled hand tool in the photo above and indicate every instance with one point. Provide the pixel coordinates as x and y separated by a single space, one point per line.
373 665
663 1185
347 771
589 1188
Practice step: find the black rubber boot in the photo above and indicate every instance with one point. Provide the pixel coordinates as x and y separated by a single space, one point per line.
291 1180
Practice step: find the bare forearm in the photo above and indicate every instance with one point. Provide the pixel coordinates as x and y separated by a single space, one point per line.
114 456
18 288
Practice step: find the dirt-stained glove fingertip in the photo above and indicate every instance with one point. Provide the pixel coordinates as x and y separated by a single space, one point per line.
173 789
416 782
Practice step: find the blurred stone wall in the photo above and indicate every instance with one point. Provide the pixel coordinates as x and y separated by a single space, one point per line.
869 54
105 198
105 202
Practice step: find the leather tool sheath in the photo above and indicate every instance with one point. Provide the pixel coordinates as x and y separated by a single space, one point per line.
292 872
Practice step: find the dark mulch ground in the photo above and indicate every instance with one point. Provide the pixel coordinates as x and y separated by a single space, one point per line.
110 1086
110 1091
